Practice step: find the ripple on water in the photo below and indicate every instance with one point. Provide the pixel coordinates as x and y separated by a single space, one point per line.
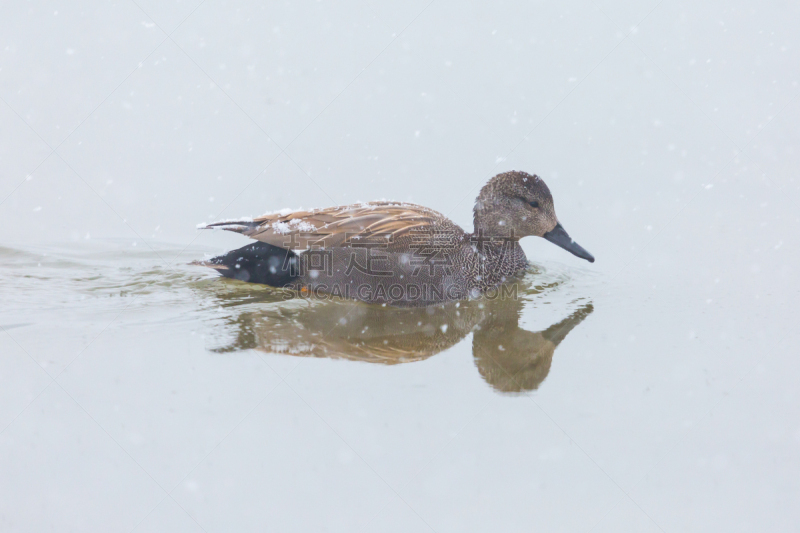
87 283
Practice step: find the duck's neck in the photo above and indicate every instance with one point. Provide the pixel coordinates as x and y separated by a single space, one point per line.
494 238
491 226
500 254
489 217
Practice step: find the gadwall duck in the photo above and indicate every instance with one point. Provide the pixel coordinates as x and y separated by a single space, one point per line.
398 253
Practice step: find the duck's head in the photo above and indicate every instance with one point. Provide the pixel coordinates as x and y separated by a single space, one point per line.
517 204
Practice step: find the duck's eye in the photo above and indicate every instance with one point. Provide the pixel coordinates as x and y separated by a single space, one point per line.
534 203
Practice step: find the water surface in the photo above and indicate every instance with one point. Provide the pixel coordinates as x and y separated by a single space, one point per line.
653 390
81 284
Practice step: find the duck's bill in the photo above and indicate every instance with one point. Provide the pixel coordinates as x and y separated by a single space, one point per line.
560 237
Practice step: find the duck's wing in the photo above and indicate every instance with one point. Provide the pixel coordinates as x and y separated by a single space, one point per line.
392 223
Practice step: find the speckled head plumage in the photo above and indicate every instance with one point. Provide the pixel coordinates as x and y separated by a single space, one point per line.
517 204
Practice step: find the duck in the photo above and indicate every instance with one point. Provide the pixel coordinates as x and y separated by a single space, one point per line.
398 253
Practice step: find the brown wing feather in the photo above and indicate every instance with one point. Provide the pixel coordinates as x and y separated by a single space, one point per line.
339 226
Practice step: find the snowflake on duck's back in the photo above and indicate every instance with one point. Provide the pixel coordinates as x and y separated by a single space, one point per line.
301 225
281 228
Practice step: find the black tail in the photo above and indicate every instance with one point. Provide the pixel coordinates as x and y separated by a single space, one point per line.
258 262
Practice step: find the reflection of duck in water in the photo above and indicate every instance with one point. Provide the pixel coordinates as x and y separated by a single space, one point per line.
509 358
512 359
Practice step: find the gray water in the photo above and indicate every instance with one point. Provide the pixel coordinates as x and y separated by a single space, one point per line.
654 390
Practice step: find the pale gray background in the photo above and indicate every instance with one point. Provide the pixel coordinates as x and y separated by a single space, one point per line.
668 132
